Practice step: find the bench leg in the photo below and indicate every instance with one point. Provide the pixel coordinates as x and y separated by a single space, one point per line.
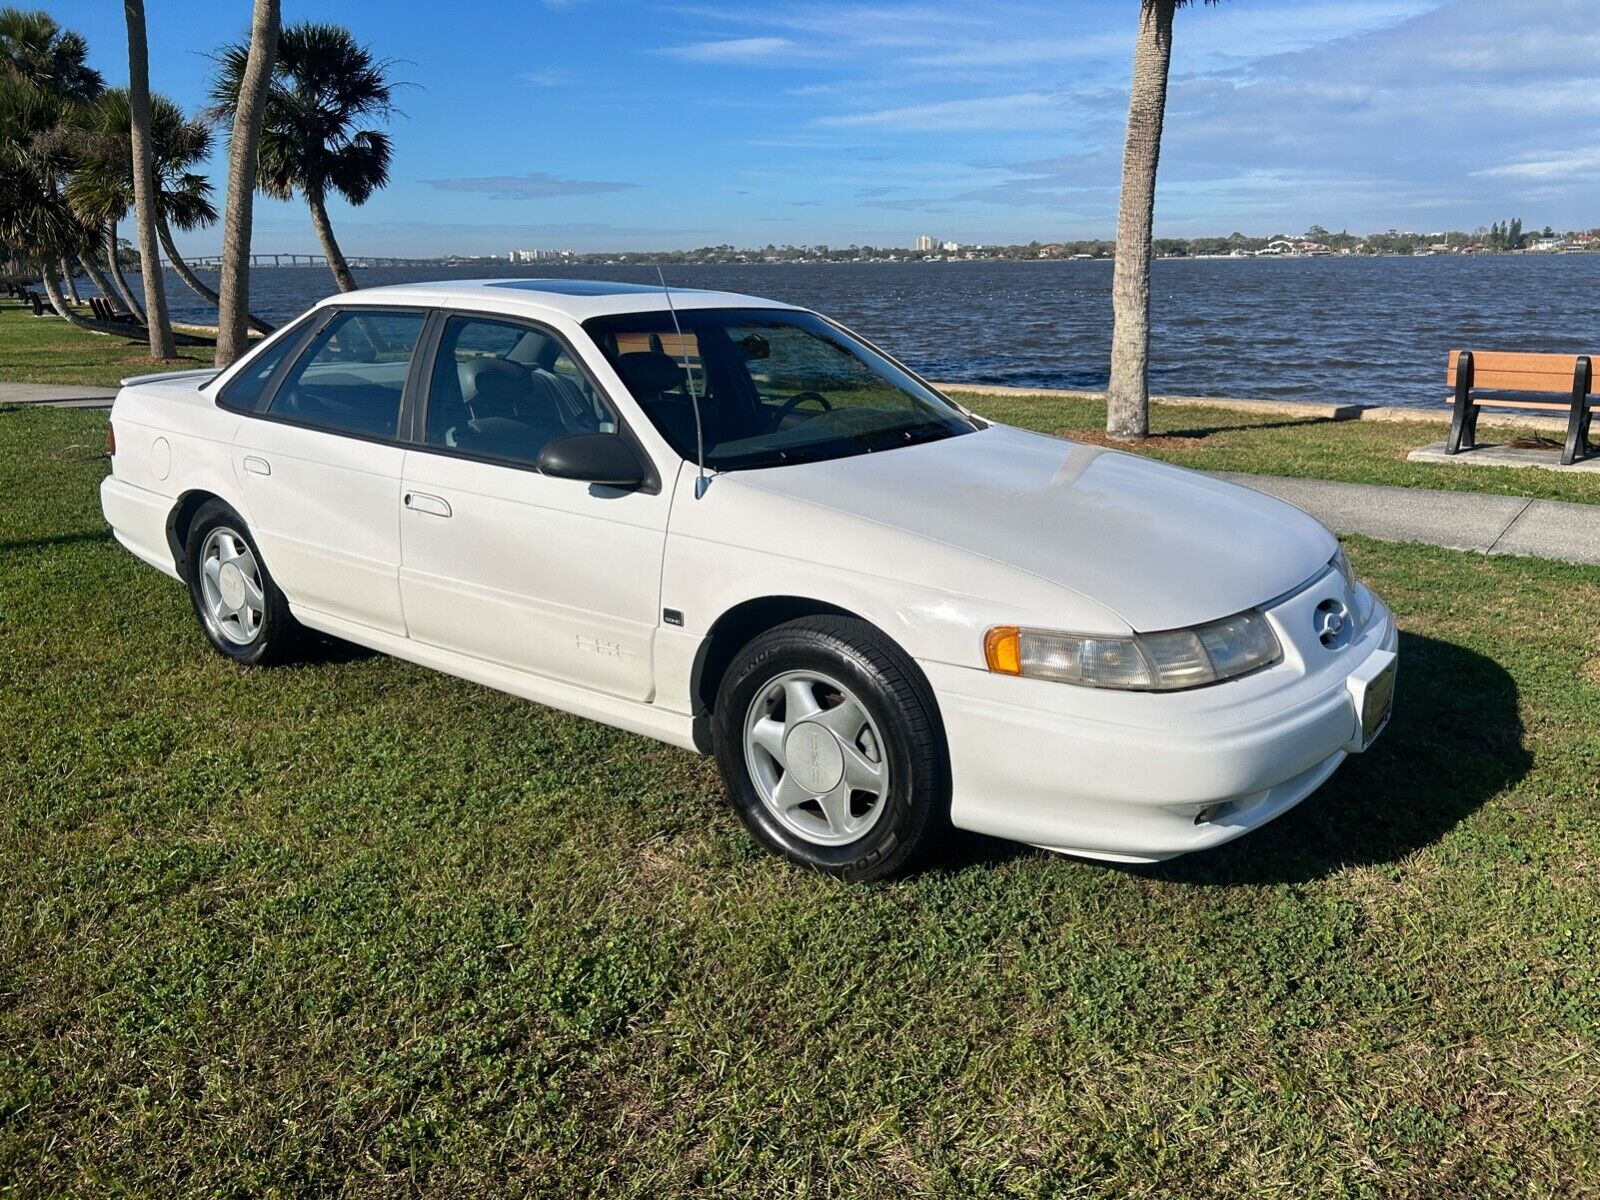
1463 427
1464 424
1577 446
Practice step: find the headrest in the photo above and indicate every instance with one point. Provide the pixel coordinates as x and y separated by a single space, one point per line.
492 385
650 372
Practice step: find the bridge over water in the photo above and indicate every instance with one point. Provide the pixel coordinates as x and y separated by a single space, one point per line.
214 261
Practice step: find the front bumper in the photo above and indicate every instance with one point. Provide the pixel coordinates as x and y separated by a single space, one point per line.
1140 777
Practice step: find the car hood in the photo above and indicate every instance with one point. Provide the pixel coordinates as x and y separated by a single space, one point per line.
1160 546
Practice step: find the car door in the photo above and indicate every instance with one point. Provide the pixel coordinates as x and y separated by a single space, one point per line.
320 467
555 577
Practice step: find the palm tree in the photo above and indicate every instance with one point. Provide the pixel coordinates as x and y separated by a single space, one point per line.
33 47
44 76
111 246
326 83
99 148
159 322
101 187
1128 397
34 215
249 106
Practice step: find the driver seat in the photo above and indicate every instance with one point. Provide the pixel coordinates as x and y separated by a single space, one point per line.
650 375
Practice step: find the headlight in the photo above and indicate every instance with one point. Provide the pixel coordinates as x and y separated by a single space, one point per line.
1148 662
1341 563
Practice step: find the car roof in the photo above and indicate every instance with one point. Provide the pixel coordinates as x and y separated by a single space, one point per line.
578 299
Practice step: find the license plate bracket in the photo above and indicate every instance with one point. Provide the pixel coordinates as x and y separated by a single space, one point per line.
1372 693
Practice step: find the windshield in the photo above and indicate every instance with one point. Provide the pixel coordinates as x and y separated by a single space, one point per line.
774 387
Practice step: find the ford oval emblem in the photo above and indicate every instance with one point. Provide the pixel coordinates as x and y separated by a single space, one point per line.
1333 624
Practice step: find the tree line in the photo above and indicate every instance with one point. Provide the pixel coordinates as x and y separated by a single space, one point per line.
299 105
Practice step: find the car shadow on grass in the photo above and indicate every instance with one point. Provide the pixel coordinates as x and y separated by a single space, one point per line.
323 649
59 539
1454 742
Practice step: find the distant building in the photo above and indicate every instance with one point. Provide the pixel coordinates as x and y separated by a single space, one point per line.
924 244
528 256
950 247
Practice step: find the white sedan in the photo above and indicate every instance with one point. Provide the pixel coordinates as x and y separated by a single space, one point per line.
732 525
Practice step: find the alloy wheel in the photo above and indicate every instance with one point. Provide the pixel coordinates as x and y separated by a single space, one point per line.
817 758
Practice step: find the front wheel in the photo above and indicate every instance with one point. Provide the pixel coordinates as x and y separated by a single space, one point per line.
829 742
244 615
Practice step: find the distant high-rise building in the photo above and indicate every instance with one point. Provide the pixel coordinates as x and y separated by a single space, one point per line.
925 244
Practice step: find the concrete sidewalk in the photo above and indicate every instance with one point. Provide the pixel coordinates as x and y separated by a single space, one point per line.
1457 520
53 395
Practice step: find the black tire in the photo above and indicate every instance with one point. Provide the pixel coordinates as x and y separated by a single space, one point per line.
279 636
897 698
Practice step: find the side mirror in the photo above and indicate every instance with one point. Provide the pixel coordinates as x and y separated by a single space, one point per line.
603 458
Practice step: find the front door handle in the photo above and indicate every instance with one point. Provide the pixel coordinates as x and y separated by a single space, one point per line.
257 466
422 502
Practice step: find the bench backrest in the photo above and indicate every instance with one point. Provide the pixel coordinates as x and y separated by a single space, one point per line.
1498 370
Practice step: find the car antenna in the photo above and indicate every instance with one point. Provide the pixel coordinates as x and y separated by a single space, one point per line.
701 481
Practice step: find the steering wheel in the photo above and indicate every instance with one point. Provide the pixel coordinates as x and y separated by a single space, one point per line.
795 401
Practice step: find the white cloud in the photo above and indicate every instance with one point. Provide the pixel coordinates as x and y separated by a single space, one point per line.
550 77
1558 167
1022 110
734 50
534 186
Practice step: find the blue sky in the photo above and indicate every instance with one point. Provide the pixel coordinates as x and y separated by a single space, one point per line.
617 124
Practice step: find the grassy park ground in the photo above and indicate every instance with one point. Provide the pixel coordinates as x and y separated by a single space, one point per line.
48 350
353 927
1275 443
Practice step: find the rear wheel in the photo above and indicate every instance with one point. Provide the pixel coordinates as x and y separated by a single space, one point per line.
244 615
830 745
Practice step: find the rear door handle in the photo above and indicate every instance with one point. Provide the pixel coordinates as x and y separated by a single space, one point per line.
257 466
422 502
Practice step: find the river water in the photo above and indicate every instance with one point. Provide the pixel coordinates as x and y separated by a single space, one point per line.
1365 330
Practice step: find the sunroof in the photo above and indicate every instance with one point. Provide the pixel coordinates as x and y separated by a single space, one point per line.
577 287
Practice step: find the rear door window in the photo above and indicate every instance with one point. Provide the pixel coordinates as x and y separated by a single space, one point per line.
351 377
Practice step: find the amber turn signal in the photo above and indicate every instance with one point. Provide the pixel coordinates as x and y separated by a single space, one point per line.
1002 647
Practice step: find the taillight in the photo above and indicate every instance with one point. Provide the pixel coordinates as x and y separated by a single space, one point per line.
111 438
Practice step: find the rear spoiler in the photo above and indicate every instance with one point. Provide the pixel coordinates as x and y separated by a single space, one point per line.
206 373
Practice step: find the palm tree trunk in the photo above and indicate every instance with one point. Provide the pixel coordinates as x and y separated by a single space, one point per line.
197 285
234 304
1128 398
144 185
93 271
114 261
72 283
47 279
330 247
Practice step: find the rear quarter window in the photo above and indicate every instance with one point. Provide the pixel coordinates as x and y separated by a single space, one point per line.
243 392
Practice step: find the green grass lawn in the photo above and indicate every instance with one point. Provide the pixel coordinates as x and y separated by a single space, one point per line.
353 927
1217 439
48 350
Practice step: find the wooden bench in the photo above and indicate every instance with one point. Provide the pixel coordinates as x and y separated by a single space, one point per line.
103 310
1495 379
